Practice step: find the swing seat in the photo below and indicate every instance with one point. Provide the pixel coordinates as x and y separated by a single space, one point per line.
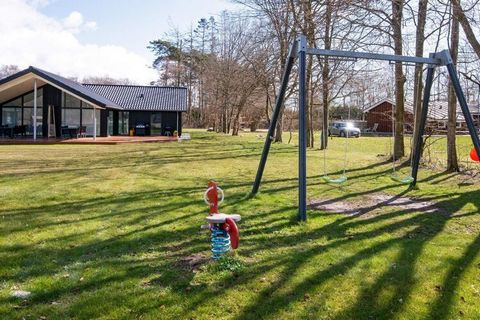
403 180
339 180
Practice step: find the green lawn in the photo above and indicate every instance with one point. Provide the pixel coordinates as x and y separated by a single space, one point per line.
113 232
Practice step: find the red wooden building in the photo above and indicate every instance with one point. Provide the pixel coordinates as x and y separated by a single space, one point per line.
379 116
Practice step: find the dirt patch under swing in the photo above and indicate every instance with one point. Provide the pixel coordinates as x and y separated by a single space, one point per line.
193 261
371 203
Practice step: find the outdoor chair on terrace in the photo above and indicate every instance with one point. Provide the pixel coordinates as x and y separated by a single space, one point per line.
6 130
69 132
20 130
373 129
82 132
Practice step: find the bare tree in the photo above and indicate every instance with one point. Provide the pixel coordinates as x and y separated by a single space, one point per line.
381 22
418 75
8 70
326 73
397 15
452 161
280 17
460 15
107 80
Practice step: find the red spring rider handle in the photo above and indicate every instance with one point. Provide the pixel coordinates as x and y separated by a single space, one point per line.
474 155
212 196
231 227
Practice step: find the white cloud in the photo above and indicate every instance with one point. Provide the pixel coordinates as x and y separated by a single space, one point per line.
91 25
38 3
73 21
31 38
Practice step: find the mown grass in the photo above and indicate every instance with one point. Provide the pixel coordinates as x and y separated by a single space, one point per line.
107 232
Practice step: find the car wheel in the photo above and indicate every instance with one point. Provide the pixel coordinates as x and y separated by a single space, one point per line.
342 134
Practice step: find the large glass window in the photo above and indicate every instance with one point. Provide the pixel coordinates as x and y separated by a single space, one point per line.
39 121
71 101
14 103
11 116
123 122
19 112
87 120
76 113
156 123
28 104
28 98
71 112
28 119
71 117
110 123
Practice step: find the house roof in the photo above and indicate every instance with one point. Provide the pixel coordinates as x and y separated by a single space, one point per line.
376 104
121 97
65 84
144 98
438 110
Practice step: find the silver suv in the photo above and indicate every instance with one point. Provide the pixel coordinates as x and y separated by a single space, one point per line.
343 129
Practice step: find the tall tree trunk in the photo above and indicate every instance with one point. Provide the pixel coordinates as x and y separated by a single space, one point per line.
236 125
268 105
452 160
309 29
224 121
326 76
279 127
308 110
397 14
418 81
469 33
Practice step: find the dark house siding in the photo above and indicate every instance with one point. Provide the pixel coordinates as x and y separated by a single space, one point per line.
103 122
169 120
52 97
138 117
115 122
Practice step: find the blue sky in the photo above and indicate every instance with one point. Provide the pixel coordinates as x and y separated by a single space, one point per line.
81 38
133 23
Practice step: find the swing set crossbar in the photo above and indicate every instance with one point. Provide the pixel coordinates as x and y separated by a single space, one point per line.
298 51
374 56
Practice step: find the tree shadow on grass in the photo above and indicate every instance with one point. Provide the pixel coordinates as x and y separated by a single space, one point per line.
153 237
30 261
422 228
442 307
270 302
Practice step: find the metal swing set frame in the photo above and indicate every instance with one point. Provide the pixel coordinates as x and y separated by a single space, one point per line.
299 50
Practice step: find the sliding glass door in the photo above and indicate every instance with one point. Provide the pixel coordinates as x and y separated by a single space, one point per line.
123 120
156 123
87 119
